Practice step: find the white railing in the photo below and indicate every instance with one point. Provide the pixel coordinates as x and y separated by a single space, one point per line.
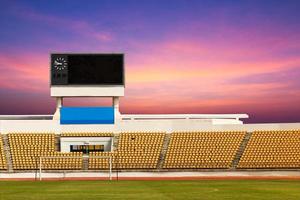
138 116
183 116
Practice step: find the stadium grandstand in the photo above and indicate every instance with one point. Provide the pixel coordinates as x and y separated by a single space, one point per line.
89 139
154 150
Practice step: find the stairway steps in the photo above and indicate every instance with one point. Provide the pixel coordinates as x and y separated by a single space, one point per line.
115 141
7 153
164 150
85 163
57 142
241 150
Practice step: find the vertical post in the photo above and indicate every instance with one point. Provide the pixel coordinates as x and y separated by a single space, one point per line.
110 168
116 108
117 165
40 165
59 103
112 144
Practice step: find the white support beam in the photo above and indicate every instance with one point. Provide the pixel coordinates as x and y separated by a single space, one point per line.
59 104
116 103
87 91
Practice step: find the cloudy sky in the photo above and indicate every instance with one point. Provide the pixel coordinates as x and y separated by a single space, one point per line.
180 56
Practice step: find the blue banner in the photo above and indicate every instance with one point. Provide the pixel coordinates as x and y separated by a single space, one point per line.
87 115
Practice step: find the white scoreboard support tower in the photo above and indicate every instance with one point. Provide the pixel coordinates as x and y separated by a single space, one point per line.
81 91
87 75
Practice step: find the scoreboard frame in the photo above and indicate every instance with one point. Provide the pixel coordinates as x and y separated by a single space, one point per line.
86 90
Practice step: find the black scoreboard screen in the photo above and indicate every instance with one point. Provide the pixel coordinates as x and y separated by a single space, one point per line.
87 69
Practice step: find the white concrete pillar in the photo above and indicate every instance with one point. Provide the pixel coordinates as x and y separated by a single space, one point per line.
116 108
59 104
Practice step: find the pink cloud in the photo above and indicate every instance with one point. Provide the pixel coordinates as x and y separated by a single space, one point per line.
24 72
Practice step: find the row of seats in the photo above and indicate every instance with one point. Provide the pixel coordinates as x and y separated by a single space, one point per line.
272 149
186 150
139 150
59 160
196 150
28 148
135 151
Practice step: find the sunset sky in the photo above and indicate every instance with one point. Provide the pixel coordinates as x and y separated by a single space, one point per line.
180 56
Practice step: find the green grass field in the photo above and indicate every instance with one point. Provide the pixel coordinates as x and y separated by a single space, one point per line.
154 190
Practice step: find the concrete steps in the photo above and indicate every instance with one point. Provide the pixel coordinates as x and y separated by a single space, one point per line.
164 150
115 141
57 142
7 153
85 163
241 150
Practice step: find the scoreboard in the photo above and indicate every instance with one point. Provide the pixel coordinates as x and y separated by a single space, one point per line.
87 69
87 74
